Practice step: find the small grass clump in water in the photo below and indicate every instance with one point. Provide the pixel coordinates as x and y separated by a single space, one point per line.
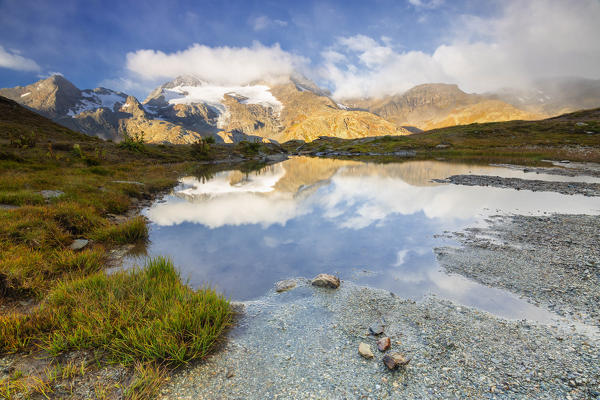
142 315
132 231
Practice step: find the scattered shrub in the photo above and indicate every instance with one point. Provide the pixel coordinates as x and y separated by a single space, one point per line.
133 142
201 147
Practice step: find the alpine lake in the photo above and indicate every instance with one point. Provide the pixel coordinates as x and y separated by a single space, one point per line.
373 224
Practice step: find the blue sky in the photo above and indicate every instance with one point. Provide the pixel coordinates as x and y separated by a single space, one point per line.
352 47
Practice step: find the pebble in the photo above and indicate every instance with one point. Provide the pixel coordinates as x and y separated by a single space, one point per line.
395 360
365 350
376 328
326 280
384 343
285 285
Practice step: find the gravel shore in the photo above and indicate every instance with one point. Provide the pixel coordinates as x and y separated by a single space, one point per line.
550 260
303 344
566 169
570 188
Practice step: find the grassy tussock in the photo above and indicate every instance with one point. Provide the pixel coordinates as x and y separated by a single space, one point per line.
133 231
146 382
142 315
32 271
77 219
20 197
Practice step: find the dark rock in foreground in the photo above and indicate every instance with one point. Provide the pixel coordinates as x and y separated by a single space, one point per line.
395 360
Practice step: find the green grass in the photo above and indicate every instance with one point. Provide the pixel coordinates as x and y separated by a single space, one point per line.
133 231
20 197
29 271
141 315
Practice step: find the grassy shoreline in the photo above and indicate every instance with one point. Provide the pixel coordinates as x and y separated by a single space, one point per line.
57 302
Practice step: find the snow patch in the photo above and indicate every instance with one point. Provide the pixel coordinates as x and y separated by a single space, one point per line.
25 94
94 101
214 95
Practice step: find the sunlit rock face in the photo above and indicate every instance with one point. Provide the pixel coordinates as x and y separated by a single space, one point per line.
431 106
287 109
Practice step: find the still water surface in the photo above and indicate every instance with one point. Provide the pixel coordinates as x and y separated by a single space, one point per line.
373 224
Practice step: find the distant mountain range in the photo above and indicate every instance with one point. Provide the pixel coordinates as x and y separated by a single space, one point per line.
187 108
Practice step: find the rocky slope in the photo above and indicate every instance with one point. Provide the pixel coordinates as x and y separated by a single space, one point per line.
99 112
439 105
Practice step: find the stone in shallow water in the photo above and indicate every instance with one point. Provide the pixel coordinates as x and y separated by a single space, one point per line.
384 343
365 350
394 360
284 285
79 244
326 280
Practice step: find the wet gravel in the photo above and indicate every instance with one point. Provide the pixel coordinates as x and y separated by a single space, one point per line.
569 188
566 169
553 261
303 344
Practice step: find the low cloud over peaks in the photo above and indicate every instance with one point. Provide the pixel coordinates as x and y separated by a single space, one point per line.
529 40
223 65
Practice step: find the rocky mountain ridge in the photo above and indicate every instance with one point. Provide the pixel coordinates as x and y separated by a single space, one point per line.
187 109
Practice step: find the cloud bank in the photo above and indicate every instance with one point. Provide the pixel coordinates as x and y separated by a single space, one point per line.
221 65
525 41
12 60
529 40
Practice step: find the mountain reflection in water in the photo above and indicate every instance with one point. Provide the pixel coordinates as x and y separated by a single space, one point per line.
373 224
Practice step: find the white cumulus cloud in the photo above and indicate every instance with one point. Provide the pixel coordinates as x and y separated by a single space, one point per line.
222 65
12 60
529 40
